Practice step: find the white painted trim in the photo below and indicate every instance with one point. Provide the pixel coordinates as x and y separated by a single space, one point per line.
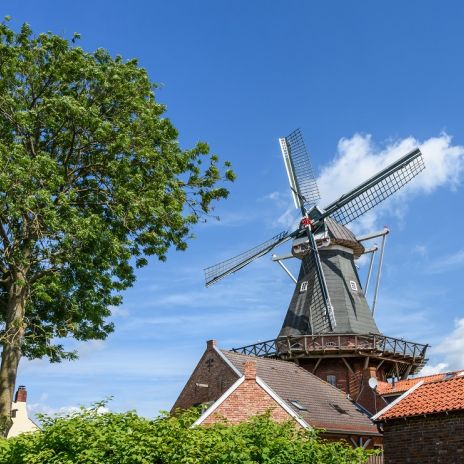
266 388
282 403
219 401
394 403
226 360
239 381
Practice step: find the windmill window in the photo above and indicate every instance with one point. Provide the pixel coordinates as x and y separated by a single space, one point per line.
303 286
298 405
332 379
353 286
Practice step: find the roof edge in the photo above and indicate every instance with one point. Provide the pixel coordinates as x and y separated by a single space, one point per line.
227 361
282 403
219 401
395 402
266 388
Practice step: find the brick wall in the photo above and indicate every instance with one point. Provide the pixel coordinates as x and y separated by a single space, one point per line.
433 439
248 400
329 367
209 380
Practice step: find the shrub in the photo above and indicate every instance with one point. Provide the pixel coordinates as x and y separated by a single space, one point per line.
90 437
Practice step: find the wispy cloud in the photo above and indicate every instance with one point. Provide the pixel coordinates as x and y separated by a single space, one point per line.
359 158
449 353
447 264
420 250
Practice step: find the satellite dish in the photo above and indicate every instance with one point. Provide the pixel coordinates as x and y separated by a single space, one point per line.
373 382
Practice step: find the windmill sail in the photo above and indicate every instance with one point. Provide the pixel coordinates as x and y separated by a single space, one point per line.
328 275
299 170
305 195
376 189
224 268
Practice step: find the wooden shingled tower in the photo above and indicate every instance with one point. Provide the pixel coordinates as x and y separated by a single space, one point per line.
329 328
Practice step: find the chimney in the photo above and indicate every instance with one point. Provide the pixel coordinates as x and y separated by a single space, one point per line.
21 394
210 344
250 370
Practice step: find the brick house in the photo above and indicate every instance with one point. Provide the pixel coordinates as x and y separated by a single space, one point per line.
425 424
235 387
390 391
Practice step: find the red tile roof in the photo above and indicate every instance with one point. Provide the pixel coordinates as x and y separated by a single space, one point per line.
387 388
429 398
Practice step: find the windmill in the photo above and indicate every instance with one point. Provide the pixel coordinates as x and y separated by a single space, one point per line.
329 328
312 310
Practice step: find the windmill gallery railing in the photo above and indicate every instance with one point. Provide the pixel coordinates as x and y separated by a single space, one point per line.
340 344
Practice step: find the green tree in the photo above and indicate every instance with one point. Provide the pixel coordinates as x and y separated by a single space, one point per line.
92 182
94 438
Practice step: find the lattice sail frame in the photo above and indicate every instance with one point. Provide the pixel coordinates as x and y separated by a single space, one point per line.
344 210
229 266
377 189
300 171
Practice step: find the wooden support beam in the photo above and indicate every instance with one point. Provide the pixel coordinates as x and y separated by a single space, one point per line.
348 366
366 362
381 362
407 372
366 443
317 365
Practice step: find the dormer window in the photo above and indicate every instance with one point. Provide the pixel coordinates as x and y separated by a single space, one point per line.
298 405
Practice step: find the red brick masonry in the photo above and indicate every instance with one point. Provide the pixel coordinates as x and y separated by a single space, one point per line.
433 439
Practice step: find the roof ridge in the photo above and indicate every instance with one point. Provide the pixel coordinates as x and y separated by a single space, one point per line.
433 375
456 377
300 368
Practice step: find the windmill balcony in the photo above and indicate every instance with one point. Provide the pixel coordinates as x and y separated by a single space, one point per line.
409 356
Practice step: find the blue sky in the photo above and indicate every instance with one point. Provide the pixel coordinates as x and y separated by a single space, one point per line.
365 81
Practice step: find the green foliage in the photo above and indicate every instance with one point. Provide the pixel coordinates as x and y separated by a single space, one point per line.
92 182
94 438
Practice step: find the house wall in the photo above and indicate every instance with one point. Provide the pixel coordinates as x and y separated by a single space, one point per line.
248 400
21 421
212 371
433 439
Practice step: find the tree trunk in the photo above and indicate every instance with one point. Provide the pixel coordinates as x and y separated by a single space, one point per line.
11 352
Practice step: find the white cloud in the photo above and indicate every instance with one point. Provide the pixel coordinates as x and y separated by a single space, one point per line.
43 408
450 350
119 311
452 347
289 218
70 410
358 158
91 346
431 369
